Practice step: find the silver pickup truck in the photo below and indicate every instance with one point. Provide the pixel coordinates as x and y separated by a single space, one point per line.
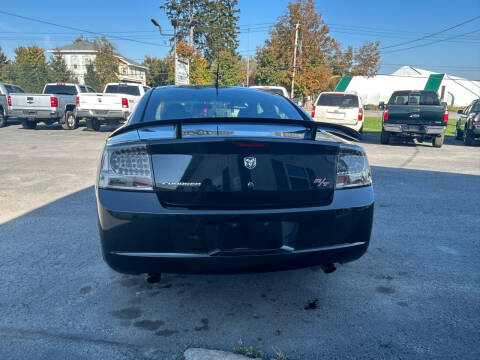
56 104
5 101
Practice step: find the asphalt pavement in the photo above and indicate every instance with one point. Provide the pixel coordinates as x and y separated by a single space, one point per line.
415 294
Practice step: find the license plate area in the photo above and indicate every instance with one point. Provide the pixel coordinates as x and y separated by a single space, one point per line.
256 235
100 112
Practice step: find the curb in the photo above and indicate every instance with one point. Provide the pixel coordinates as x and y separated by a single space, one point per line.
205 354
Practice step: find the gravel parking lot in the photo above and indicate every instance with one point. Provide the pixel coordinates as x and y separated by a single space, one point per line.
415 294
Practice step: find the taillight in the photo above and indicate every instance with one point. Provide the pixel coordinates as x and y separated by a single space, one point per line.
476 119
385 114
360 114
126 167
9 100
445 116
313 111
77 101
53 101
353 169
124 103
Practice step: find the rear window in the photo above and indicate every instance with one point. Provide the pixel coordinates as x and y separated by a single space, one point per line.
476 107
123 89
60 89
414 98
11 89
191 102
272 91
340 100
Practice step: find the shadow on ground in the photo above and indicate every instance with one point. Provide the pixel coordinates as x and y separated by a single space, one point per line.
414 294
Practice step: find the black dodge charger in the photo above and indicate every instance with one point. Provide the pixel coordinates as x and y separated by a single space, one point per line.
227 180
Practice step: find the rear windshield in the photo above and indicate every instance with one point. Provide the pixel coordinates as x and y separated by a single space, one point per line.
414 98
123 89
340 100
60 89
12 89
192 102
272 91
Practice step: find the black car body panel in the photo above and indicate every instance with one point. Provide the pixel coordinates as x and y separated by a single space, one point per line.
234 195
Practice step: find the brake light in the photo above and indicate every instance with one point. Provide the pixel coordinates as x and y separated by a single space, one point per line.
476 119
124 103
360 114
445 116
9 100
313 111
53 101
385 114
77 101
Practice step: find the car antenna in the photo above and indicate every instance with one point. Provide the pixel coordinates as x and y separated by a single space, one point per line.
217 76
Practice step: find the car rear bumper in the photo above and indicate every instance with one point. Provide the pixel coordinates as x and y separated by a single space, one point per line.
138 235
33 114
103 114
414 129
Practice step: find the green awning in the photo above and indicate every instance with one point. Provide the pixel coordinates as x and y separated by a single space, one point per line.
343 83
433 82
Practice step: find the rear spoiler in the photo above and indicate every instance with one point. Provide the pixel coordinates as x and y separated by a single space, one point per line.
312 126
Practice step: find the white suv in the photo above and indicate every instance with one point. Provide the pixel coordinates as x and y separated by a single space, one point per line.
343 108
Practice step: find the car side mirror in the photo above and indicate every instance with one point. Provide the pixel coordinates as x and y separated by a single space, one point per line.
460 111
381 106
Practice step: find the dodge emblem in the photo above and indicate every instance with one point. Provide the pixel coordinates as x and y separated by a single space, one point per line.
250 162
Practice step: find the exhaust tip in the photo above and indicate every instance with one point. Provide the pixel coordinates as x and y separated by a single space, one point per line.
153 278
329 268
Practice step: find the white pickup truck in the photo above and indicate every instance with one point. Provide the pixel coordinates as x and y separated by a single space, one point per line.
114 105
55 104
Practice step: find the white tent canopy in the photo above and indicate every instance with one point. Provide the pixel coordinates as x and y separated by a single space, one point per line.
456 91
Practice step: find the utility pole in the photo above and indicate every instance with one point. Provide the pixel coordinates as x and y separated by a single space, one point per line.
248 57
294 61
191 25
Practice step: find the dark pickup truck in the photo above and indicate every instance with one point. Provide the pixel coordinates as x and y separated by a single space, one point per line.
412 114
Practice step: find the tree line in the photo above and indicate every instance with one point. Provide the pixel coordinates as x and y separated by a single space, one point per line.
208 37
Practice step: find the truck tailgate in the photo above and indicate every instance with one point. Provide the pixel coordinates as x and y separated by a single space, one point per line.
100 101
31 101
416 115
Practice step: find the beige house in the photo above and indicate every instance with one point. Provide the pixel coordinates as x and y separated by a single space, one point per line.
82 52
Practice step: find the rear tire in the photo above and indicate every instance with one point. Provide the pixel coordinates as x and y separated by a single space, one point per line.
3 120
438 141
70 122
467 138
27 124
384 137
458 134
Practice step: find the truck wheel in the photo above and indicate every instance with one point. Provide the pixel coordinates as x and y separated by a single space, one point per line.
438 141
27 124
467 138
70 122
3 120
95 124
384 137
458 134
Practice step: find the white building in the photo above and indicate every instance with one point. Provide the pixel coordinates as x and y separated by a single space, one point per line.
82 52
453 89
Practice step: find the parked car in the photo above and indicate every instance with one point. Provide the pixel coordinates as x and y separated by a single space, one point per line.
275 90
56 104
468 125
342 108
5 100
114 105
412 114
206 180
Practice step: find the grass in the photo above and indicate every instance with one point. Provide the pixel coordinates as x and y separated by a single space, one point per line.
257 352
374 124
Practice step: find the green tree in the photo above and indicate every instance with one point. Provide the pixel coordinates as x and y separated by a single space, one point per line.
215 23
4 66
158 72
30 69
106 62
58 70
269 67
229 69
91 78
199 67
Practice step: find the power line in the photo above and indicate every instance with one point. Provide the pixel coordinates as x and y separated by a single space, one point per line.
432 34
78 29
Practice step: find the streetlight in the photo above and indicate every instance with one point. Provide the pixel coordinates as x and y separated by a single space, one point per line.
174 24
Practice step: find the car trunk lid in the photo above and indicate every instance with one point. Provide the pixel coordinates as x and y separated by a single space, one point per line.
100 101
27 101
